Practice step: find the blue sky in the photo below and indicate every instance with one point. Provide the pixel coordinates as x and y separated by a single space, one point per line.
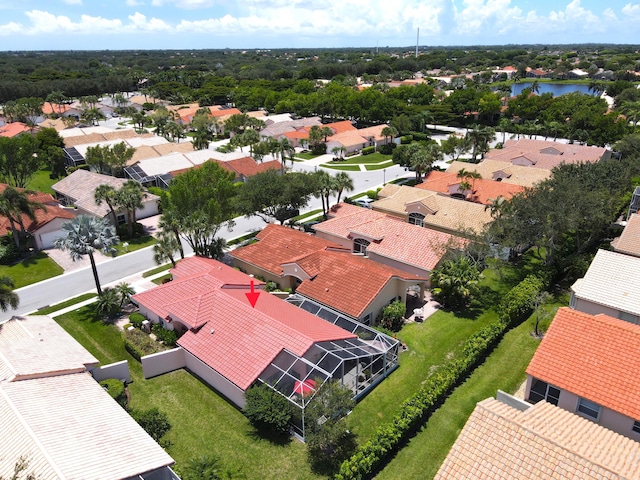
195 24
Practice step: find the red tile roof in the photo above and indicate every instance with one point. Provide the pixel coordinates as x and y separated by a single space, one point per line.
14 129
52 211
233 338
390 237
483 189
279 245
340 127
347 282
594 357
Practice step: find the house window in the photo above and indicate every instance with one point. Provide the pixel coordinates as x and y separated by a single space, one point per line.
636 427
121 219
588 408
543 391
416 219
367 319
627 317
360 246
572 300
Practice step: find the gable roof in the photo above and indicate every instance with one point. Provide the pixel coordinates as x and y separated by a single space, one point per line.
347 282
546 154
629 241
43 381
505 173
390 237
14 129
233 338
278 245
612 280
441 211
596 357
51 211
81 185
484 190
499 442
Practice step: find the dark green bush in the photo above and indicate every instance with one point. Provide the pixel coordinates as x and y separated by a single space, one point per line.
136 319
393 316
405 140
123 231
154 422
8 251
387 149
368 150
116 389
518 303
266 409
168 337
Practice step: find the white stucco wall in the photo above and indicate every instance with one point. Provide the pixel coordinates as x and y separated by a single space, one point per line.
163 362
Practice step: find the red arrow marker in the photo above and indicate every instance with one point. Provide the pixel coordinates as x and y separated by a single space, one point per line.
252 296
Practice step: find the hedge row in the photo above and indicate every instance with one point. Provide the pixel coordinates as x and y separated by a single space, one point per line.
518 303
368 150
388 438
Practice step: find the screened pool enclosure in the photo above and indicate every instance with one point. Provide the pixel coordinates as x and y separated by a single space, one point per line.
359 363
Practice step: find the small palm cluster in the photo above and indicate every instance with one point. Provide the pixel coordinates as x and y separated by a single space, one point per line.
113 299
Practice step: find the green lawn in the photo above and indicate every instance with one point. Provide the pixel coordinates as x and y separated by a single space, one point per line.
363 159
202 421
135 244
504 369
159 269
65 304
34 269
346 168
429 344
379 166
306 156
159 280
41 181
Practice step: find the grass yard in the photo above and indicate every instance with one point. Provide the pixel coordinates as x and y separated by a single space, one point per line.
159 280
34 269
159 269
41 181
65 304
429 344
306 156
135 244
363 159
379 166
504 369
342 166
202 421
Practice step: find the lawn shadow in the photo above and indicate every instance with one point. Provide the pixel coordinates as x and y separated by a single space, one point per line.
275 438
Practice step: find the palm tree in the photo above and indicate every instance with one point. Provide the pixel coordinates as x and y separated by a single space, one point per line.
124 290
107 194
169 224
165 248
343 182
14 204
130 197
389 132
480 137
108 302
495 205
86 234
535 87
504 125
285 148
8 298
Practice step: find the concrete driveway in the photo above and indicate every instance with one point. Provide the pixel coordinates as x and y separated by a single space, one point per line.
64 259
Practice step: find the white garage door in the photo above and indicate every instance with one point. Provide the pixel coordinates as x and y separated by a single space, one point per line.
47 239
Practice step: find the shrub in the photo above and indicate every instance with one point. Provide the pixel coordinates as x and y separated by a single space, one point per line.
136 319
139 344
154 422
368 150
519 302
116 389
406 139
387 149
168 337
266 409
372 194
8 252
393 316
123 232
271 286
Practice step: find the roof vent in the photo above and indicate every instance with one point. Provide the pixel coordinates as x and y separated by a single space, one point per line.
213 331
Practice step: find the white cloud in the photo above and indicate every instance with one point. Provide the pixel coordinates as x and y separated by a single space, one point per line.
72 2
134 3
186 4
139 22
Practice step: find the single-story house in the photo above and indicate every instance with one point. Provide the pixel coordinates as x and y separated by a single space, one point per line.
78 189
14 129
233 344
501 172
588 364
46 227
546 154
610 286
56 415
482 190
386 240
326 272
503 440
431 210
628 242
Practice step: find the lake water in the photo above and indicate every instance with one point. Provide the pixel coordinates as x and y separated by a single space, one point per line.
555 88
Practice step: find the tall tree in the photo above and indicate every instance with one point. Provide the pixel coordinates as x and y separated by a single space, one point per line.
480 137
107 194
165 249
85 235
455 282
19 160
202 201
129 197
344 183
16 204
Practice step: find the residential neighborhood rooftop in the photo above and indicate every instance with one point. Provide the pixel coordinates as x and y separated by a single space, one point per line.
500 442
629 241
500 171
612 280
592 356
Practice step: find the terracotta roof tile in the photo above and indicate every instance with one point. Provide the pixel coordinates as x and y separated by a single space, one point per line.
497 170
483 190
629 241
595 357
14 129
499 442
215 300
347 282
